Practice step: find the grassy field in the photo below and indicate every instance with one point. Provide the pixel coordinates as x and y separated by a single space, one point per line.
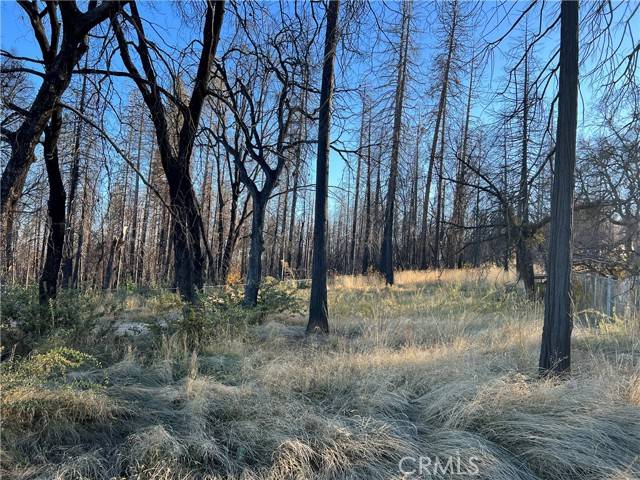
442 365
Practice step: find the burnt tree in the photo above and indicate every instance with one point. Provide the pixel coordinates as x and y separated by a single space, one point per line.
386 250
188 234
555 352
318 305
48 284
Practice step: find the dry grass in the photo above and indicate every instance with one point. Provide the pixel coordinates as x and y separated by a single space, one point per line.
414 278
441 364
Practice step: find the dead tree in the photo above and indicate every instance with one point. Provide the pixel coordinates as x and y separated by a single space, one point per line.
555 352
48 285
460 196
366 237
186 221
256 94
356 199
318 304
67 265
440 114
386 265
524 260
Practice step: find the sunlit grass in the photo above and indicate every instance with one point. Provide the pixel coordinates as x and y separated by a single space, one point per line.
442 363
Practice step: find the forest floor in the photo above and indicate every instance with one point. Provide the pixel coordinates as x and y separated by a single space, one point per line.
440 367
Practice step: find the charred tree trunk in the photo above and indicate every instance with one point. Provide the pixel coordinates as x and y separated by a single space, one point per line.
318 305
67 267
205 200
108 269
386 249
123 225
294 204
356 200
274 241
234 230
131 267
219 216
140 260
555 352
460 198
506 211
301 134
48 285
283 234
367 200
186 235
254 266
186 221
439 200
85 222
524 261
411 240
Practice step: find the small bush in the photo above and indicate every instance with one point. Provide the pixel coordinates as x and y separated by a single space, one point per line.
71 316
279 296
163 300
221 313
49 367
21 319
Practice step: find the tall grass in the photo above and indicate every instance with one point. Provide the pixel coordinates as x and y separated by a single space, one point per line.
442 364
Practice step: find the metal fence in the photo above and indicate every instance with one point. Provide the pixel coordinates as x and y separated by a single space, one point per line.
596 296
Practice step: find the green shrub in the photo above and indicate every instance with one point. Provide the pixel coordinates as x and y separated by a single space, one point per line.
221 314
49 367
21 318
279 296
162 300
70 317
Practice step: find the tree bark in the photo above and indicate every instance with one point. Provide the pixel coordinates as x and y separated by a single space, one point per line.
48 285
318 305
555 352
254 267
